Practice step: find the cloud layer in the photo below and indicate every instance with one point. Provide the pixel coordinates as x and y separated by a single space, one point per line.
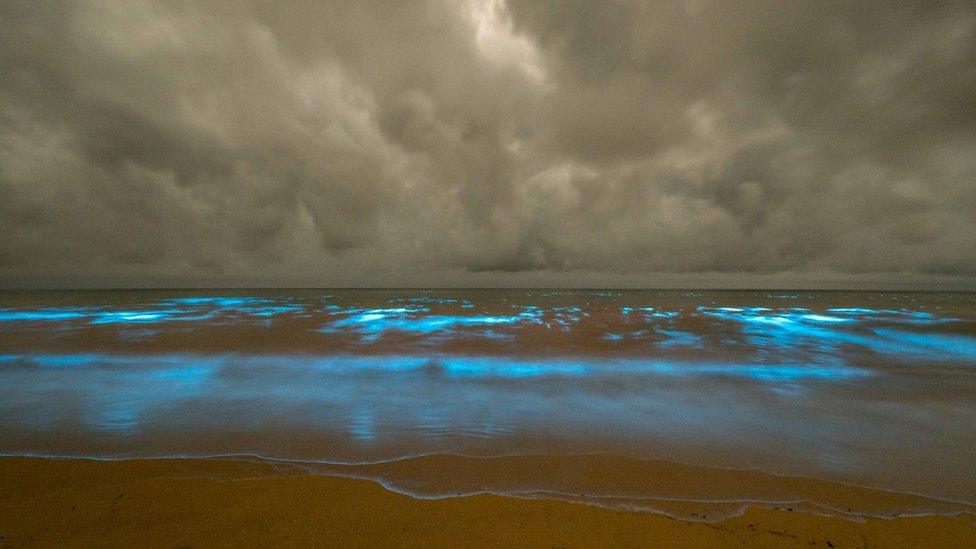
487 143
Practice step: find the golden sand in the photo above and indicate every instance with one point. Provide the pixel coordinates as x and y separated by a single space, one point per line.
179 503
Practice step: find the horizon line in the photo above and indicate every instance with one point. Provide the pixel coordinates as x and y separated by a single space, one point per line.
471 288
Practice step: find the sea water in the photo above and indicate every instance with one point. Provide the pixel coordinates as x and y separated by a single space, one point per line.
865 388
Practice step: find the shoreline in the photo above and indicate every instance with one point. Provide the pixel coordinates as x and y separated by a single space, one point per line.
222 501
622 483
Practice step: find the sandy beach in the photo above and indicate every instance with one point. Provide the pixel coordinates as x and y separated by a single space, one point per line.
187 503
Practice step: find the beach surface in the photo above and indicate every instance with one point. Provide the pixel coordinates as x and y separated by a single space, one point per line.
186 503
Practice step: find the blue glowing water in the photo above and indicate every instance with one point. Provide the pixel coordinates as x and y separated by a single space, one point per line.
872 388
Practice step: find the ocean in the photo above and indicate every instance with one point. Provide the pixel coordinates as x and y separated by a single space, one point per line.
571 394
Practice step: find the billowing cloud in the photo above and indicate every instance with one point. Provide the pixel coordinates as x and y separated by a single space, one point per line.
487 143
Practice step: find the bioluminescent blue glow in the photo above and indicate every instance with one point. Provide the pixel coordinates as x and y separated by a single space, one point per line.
47 315
141 317
675 338
747 331
194 368
126 395
189 309
797 332
373 323
828 385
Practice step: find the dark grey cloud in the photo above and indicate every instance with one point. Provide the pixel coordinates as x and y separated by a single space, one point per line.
488 143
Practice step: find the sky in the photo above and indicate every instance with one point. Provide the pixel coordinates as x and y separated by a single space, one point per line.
488 143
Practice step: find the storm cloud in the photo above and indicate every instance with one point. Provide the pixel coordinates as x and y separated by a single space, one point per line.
484 143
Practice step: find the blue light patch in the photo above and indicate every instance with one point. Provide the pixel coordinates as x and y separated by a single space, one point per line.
947 345
362 424
460 367
677 338
798 333
134 317
374 323
824 318
43 315
187 309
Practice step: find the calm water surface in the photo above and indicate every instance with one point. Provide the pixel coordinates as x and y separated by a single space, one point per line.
876 389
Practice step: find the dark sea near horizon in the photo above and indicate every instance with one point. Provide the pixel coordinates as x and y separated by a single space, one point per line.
600 388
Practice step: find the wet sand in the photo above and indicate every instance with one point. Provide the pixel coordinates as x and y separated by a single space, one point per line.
175 502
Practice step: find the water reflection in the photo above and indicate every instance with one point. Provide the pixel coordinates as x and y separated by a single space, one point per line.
372 396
